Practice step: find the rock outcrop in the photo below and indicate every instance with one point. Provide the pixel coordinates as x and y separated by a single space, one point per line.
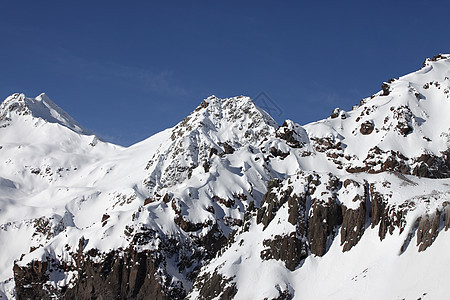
428 230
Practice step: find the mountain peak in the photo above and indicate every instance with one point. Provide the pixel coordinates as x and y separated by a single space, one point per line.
236 117
40 107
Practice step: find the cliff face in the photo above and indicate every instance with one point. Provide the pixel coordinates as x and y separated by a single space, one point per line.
326 215
204 209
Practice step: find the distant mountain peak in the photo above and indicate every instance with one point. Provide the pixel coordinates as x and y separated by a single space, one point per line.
40 107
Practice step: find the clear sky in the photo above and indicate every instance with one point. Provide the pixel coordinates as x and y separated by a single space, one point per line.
129 69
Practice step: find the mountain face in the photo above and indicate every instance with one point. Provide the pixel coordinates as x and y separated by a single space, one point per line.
230 205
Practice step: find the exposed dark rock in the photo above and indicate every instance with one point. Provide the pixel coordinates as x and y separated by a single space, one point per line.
227 202
439 57
271 203
335 113
386 89
404 117
128 276
431 166
148 201
105 217
228 149
447 215
30 280
204 104
353 225
206 166
283 295
404 128
297 210
278 153
392 80
326 143
289 249
213 286
212 241
427 165
119 275
379 212
322 223
367 128
182 220
428 230
167 198
187 225
348 182
212 152
378 161
290 136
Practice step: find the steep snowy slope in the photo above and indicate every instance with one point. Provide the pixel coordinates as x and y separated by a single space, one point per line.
229 204
343 233
41 149
404 127
188 185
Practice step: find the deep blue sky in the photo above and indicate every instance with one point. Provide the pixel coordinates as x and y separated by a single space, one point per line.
128 69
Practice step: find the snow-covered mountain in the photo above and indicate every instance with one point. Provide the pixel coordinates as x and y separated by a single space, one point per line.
228 204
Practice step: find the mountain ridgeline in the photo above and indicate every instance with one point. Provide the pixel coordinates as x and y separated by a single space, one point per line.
228 204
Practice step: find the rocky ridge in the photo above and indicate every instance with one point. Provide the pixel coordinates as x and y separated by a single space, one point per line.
225 194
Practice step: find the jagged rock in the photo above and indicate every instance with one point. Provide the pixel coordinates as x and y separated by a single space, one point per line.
297 210
431 166
322 223
278 153
30 280
227 202
367 127
228 149
212 152
215 286
439 57
299 215
335 113
447 215
294 135
353 225
378 161
127 276
379 211
271 203
428 230
327 143
187 225
403 116
386 89
206 166
289 249
212 241
148 201
167 198
105 217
